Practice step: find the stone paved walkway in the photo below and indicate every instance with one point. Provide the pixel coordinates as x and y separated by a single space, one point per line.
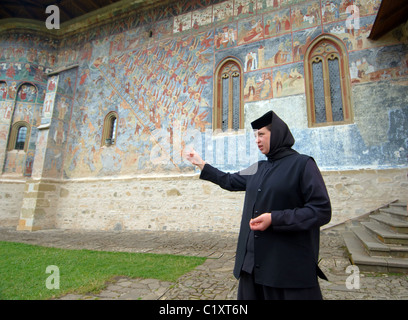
213 279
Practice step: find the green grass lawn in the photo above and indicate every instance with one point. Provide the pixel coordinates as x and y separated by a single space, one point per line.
23 268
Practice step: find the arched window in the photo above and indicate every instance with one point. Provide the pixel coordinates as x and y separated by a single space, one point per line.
19 136
327 79
228 111
109 129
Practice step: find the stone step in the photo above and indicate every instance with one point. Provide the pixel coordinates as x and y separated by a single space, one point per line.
375 247
396 212
365 262
394 224
359 256
399 203
386 235
370 243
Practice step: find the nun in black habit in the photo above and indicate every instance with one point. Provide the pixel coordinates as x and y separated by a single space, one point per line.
286 203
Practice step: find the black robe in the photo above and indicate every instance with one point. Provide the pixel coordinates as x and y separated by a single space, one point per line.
292 189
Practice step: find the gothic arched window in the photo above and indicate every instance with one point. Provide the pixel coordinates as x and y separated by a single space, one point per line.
228 111
327 79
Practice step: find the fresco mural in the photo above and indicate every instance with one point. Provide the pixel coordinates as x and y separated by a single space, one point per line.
335 10
367 7
250 30
223 12
305 15
27 107
150 88
301 41
288 80
379 64
225 37
277 23
353 39
3 91
278 51
156 71
244 8
51 145
182 23
201 17
258 85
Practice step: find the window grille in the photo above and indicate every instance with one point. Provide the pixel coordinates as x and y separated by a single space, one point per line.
327 82
228 109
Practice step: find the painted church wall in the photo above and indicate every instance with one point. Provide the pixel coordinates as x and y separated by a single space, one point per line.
21 102
376 140
161 86
153 105
24 61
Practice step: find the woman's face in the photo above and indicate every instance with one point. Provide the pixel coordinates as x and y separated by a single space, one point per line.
262 139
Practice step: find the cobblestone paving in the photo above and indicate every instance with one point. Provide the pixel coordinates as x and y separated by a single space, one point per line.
213 279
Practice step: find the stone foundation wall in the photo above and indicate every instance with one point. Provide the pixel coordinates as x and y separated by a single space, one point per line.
11 198
180 203
189 204
39 205
357 192
167 203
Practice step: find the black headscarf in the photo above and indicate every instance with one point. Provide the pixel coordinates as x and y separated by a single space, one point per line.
281 141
